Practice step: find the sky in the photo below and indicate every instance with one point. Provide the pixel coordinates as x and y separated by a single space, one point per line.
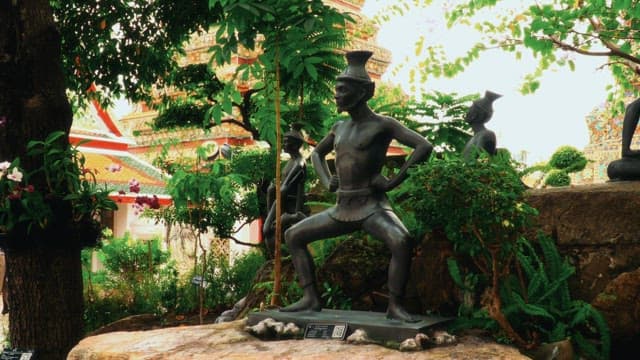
538 123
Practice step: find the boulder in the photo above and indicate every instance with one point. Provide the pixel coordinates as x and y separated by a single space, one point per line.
619 305
230 341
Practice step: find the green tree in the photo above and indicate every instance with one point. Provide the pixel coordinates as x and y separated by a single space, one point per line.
551 31
46 48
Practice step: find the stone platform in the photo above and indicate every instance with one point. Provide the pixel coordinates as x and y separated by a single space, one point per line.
375 324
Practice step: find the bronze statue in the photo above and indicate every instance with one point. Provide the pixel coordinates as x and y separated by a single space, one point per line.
479 114
294 175
360 145
628 167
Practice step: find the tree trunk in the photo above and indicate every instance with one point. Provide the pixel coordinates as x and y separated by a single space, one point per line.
45 283
45 300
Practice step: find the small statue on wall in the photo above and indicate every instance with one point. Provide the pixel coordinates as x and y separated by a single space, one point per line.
479 114
627 167
294 176
360 144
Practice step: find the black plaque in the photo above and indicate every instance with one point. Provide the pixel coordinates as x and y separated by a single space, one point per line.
331 331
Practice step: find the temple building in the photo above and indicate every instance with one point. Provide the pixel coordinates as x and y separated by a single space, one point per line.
605 144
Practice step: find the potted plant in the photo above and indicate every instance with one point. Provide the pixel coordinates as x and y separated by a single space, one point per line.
65 205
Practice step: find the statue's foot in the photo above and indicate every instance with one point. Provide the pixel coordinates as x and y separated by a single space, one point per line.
398 313
304 304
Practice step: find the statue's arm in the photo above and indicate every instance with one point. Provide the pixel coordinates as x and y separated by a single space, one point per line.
421 151
319 161
292 177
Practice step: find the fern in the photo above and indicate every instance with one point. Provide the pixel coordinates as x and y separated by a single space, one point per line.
556 265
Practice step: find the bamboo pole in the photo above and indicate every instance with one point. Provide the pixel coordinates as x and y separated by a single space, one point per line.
275 298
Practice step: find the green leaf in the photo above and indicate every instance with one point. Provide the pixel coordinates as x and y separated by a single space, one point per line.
311 70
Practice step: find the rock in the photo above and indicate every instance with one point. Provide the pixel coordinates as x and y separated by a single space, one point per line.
359 337
270 329
442 338
229 341
410 345
619 305
231 314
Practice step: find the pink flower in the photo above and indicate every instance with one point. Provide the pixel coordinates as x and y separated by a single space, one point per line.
4 165
15 175
113 167
30 188
15 195
134 186
3 121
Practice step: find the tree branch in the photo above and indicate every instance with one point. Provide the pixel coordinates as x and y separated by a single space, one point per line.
242 242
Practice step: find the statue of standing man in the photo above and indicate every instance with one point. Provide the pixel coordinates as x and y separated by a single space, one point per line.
360 145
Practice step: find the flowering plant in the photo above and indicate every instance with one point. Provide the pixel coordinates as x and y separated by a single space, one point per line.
60 190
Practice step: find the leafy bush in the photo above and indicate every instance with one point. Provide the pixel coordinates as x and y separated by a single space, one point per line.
569 159
557 178
138 279
481 209
224 283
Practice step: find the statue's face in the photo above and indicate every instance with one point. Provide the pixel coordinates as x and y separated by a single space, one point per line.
290 145
475 115
349 94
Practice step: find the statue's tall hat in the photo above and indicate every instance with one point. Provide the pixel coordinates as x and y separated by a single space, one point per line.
295 133
355 70
486 103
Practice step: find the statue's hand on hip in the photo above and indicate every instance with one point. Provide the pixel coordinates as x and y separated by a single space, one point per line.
334 183
380 182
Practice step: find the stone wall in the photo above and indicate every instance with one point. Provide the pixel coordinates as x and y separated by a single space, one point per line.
598 228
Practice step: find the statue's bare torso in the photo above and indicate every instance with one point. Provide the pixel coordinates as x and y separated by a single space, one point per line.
361 148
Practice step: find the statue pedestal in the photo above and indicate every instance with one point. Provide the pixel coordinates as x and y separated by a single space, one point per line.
626 168
375 324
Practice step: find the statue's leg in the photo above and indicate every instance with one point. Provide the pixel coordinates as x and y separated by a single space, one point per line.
629 125
297 237
386 226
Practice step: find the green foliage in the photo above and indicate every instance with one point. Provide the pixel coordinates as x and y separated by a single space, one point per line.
569 159
551 32
224 283
557 177
480 207
334 298
439 117
565 160
126 47
477 204
138 278
546 305
217 194
66 184
297 63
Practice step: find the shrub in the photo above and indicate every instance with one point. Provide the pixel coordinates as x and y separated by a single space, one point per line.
224 283
481 209
569 159
138 279
557 178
